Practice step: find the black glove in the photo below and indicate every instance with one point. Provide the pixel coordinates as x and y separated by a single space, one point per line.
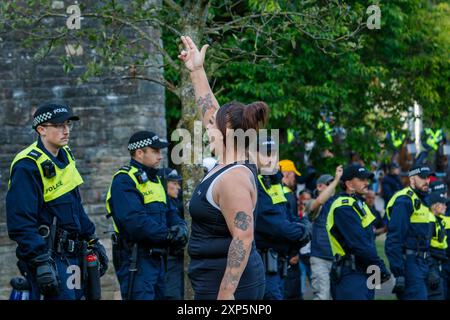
178 234
434 279
45 273
307 232
399 287
100 251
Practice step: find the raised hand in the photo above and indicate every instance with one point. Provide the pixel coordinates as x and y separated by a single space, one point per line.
193 58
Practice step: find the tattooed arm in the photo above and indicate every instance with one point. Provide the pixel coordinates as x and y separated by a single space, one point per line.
193 60
236 199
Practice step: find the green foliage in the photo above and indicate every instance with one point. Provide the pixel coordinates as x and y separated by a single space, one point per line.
307 59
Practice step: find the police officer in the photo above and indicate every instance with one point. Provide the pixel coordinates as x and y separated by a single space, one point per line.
432 138
145 223
293 288
391 183
275 233
175 263
44 211
349 227
438 246
439 187
290 172
409 234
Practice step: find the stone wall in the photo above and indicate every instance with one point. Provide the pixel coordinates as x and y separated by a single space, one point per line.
110 111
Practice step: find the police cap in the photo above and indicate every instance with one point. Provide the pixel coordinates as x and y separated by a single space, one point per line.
420 170
356 171
54 112
144 139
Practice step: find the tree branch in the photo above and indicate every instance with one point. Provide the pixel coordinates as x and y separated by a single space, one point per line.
173 5
171 87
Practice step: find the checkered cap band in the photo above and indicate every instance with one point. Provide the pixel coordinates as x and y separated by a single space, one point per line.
140 144
42 118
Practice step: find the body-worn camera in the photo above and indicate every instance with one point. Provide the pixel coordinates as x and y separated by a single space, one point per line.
141 176
48 168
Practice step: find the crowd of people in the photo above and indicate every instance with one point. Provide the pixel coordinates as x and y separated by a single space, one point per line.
258 231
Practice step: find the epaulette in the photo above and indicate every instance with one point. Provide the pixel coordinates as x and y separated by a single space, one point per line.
344 201
69 152
34 154
125 168
410 193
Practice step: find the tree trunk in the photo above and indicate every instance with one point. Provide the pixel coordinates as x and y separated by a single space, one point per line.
193 23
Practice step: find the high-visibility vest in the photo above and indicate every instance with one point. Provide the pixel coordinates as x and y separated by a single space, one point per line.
421 213
327 130
434 137
150 191
366 218
397 141
439 240
275 191
64 180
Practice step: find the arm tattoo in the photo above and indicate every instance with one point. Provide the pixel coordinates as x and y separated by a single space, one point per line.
242 220
231 280
236 253
205 103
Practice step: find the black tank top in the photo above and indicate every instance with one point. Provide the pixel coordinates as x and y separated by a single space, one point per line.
209 244
210 237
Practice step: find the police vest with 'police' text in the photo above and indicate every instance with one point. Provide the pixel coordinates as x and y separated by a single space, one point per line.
275 191
149 190
63 181
439 240
421 213
364 213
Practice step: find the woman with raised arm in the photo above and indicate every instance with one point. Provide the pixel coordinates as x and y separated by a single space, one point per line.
224 261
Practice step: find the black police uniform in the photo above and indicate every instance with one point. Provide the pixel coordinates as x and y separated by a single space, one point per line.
276 234
174 279
145 224
45 215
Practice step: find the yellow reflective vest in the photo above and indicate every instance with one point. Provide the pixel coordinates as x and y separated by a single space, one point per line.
64 180
439 240
275 191
150 191
421 213
366 218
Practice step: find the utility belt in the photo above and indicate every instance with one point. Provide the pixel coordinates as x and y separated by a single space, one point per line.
120 243
65 241
350 261
436 263
274 262
423 254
